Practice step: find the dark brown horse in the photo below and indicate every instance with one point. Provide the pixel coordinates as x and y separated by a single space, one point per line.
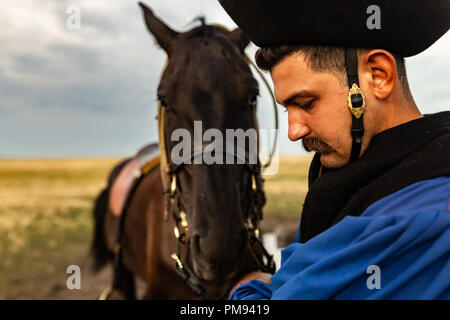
207 79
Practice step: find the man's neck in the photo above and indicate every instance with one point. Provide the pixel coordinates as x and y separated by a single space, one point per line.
399 113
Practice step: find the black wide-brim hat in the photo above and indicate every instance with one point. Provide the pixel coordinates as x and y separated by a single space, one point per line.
406 27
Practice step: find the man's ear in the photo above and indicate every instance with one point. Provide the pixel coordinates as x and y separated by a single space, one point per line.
380 70
239 39
163 34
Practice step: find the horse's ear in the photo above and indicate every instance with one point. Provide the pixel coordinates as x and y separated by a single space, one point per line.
239 38
163 34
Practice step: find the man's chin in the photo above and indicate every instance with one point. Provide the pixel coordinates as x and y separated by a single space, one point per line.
332 160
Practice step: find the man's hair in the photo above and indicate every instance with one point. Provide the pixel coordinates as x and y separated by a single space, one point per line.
322 59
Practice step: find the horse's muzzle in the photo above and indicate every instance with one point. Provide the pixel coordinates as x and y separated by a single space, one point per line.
217 261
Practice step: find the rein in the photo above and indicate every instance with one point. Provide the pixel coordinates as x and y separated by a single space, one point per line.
174 205
275 111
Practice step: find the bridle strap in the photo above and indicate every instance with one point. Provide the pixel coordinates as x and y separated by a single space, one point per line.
241 156
275 109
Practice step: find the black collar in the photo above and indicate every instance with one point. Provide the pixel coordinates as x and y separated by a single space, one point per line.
396 158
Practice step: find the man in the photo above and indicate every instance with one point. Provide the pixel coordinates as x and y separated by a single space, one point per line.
376 219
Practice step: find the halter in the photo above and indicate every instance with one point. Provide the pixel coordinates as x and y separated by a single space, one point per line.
174 203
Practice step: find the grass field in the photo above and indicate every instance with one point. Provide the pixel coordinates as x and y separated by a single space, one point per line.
46 221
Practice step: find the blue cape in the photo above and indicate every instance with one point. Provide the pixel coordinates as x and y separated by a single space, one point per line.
406 235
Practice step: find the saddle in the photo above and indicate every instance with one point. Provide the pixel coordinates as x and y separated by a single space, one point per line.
145 160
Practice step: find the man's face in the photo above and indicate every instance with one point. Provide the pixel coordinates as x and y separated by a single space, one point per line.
316 103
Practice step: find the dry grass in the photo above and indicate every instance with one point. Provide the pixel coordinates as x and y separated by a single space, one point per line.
46 220
47 194
287 189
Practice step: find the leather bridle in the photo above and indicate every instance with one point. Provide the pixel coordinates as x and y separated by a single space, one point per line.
177 209
174 205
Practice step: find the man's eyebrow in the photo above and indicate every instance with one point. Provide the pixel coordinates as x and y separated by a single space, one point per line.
295 95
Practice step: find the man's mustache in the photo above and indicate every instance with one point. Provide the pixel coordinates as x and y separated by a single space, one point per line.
315 144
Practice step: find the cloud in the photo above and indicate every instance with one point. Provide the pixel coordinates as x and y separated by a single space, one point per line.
93 91
71 92
428 75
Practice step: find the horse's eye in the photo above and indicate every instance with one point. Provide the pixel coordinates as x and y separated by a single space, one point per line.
253 100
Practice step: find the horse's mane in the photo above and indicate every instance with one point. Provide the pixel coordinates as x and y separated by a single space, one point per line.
202 30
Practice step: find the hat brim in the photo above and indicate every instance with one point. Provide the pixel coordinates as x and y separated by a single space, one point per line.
406 27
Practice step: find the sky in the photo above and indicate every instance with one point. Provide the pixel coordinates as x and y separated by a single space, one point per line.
92 91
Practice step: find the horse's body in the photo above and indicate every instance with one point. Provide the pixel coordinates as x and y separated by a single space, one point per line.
148 242
208 79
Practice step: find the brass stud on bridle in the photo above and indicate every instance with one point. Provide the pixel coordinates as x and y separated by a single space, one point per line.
254 186
176 232
173 186
184 222
175 257
184 235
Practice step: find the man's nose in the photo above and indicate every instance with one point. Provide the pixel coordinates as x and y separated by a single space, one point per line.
298 127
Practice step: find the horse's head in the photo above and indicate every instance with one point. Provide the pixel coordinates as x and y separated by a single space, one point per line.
208 79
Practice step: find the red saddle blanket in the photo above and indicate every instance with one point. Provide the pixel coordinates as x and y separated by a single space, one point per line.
145 160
